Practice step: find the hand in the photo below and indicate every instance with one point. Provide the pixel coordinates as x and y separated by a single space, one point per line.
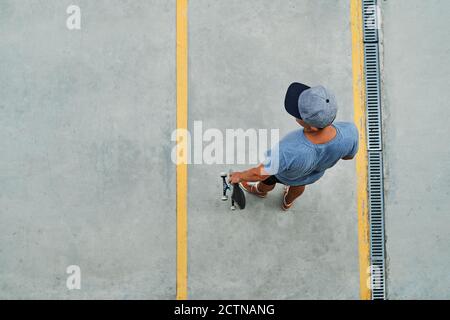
235 177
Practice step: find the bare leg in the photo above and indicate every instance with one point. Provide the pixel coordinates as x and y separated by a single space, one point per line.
292 194
259 189
262 187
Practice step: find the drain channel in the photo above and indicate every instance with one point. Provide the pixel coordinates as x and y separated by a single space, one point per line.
374 148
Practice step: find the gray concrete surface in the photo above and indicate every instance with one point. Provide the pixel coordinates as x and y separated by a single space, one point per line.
243 56
85 171
85 122
416 139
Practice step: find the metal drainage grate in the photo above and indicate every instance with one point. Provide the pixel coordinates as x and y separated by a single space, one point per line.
370 20
373 96
374 147
376 218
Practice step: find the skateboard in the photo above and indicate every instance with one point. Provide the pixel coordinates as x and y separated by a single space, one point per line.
237 194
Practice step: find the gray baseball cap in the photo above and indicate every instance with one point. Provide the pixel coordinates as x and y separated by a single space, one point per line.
316 106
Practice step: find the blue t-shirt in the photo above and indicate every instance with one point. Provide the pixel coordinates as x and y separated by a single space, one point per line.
296 161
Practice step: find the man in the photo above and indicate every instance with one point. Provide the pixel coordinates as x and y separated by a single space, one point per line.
302 156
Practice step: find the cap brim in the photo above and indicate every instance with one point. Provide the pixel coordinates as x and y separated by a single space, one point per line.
291 101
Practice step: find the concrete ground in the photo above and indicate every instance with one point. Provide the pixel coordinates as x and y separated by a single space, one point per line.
86 179
416 139
243 56
84 176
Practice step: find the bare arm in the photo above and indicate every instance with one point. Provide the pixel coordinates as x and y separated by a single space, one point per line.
251 175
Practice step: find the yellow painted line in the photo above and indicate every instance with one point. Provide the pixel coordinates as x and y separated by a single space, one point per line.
182 105
359 92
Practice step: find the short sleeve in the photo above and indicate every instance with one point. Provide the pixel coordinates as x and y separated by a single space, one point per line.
355 146
274 161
